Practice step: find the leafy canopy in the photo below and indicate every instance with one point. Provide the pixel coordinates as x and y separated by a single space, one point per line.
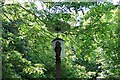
92 48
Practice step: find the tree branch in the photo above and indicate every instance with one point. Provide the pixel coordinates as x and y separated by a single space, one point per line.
7 17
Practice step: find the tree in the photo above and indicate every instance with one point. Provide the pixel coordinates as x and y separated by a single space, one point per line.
92 47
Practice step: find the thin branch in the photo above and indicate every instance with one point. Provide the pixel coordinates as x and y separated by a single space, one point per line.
30 12
36 17
8 18
82 11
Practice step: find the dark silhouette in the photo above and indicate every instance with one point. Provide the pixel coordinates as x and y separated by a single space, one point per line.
58 60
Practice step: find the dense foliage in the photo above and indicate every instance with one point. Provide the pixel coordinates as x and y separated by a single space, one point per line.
92 47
